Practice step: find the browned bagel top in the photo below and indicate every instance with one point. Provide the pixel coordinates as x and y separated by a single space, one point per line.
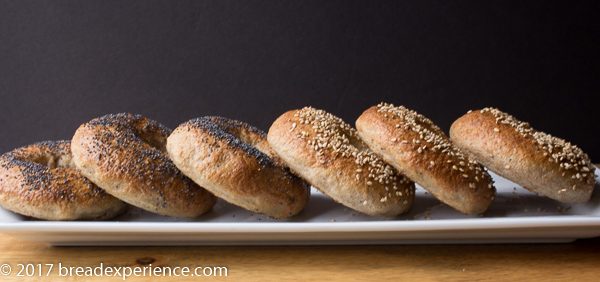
427 137
330 136
234 161
40 180
125 154
140 144
328 153
420 150
47 166
240 137
548 150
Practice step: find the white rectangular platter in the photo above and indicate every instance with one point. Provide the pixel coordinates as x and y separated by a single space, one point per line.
516 216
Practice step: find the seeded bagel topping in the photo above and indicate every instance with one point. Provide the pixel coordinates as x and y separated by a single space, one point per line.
233 134
333 135
569 157
432 138
46 166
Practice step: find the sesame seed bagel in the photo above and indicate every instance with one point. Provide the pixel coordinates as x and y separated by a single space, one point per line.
125 155
233 161
419 149
535 160
327 152
41 181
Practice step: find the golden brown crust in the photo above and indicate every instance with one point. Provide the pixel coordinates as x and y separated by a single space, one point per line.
535 160
125 155
234 161
419 149
41 181
326 152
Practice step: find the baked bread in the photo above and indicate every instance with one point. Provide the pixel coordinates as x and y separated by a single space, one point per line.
125 155
41 181
326 152
537 161
416 147
234 161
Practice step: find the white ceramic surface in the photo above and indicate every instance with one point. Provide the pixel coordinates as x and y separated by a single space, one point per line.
515 216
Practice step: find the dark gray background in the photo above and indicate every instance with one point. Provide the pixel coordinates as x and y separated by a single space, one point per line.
63 63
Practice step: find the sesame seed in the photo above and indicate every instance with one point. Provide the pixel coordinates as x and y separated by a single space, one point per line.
333 135
430 134
496 129
507 166
558 150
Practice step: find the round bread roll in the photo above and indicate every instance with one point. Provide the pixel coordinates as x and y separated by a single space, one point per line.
327 152
419 149
535 160
125 155
41 181
233 161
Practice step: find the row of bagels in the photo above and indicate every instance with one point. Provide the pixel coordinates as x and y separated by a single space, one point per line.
121 159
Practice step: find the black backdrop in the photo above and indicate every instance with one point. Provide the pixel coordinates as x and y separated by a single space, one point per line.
63 63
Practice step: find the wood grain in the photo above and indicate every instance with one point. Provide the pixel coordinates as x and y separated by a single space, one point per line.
578 260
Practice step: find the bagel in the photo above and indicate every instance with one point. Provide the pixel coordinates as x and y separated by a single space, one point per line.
537 161
419 149
326 152
41 181
233 161
125 155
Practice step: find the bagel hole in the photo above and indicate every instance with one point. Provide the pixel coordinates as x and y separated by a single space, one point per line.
252 140
358 143
58 161
151 139
257 143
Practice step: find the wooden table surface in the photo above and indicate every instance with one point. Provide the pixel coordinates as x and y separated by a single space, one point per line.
577 261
